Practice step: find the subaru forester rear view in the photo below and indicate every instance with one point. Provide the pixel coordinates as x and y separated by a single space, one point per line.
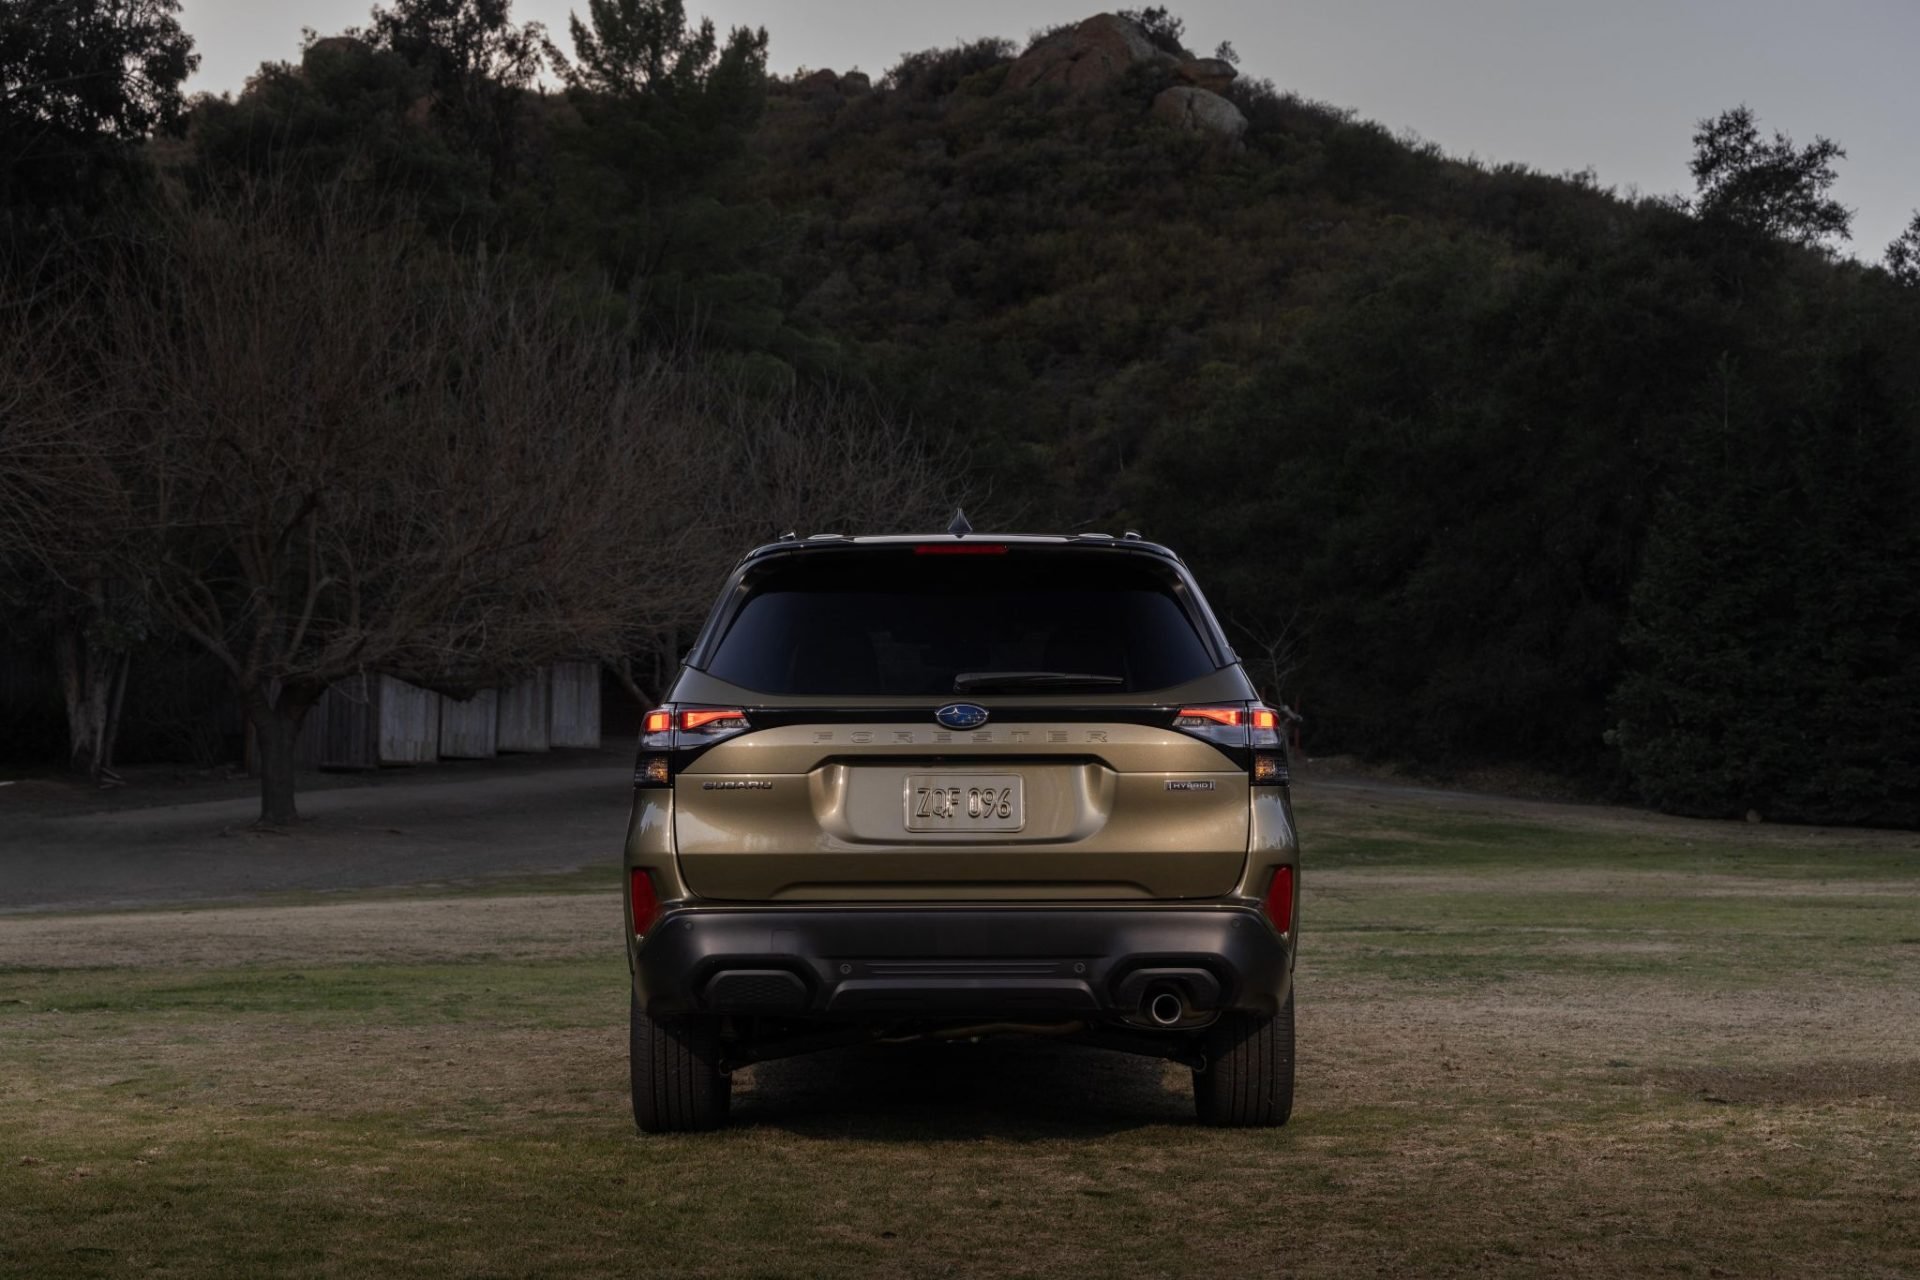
954 785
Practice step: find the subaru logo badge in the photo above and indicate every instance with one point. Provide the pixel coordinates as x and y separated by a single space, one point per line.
961 715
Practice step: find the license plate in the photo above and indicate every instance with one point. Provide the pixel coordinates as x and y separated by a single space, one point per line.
965 802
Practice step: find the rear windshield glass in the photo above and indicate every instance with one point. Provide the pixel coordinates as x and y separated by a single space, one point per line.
892 622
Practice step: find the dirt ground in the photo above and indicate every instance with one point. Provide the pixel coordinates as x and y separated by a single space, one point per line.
515 816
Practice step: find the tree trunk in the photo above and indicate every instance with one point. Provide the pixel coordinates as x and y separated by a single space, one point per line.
622 671
276 731
92 683
110 735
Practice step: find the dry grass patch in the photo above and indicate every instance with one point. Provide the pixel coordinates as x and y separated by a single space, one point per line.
1894 1082
399 931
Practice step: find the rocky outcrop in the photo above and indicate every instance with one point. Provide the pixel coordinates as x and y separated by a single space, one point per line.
336 47
1211 74
1089 56
1199 111
827 84
818 84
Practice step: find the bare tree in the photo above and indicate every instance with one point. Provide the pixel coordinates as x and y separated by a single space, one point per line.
774 462
318 449
1278 643
341 454
60 512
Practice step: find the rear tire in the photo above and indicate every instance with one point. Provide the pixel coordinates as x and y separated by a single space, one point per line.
678 1086
1248 1078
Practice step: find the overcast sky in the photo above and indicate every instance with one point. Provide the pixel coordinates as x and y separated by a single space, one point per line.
1558 84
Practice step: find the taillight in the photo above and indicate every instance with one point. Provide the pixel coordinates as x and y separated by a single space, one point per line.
1223 726
1201 717
713 720
1279 903
1240 727
669 733
643 904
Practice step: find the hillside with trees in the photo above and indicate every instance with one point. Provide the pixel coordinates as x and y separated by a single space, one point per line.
1481 465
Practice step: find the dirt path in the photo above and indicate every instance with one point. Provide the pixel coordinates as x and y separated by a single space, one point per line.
400 832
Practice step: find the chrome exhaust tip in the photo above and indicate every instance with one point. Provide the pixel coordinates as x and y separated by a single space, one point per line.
1165 1008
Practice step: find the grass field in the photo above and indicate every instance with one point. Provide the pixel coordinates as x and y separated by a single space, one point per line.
1535 1040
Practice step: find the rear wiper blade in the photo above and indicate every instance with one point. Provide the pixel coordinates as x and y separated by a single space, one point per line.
975 681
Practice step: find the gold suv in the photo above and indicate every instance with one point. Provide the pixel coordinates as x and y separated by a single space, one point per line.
956 785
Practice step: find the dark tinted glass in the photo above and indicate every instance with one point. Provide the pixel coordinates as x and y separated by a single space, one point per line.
890 622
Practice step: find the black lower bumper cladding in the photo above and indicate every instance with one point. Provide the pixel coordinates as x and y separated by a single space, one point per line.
871 963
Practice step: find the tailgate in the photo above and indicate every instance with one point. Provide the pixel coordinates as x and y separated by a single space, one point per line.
895 811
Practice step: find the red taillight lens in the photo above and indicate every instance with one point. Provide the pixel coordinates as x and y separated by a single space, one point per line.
706 717
1193 717
1279 903
960 549
659 721
643 904
1266 718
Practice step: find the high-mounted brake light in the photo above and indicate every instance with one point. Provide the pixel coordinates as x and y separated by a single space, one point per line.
643 904
1195 717
1279 902
960 549
710 718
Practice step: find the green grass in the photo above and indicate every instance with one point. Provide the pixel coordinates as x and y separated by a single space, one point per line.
1527 1048
538 993
1398 835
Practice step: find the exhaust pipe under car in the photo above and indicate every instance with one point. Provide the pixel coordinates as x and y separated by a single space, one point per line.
1165 1007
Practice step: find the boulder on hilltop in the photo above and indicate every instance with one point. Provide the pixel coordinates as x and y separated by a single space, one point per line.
1211 74
1091 55
816 84
1198 111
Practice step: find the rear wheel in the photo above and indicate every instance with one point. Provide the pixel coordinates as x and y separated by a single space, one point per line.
678 1085
1248 1077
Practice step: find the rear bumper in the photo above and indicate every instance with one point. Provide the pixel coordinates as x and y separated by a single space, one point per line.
858 963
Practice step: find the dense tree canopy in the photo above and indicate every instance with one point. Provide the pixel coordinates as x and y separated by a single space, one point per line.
1769 186
1903 255
78 80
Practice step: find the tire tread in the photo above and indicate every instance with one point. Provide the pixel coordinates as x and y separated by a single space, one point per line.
677 1083
1248 1077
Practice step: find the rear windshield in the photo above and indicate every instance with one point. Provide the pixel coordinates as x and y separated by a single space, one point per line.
890 622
